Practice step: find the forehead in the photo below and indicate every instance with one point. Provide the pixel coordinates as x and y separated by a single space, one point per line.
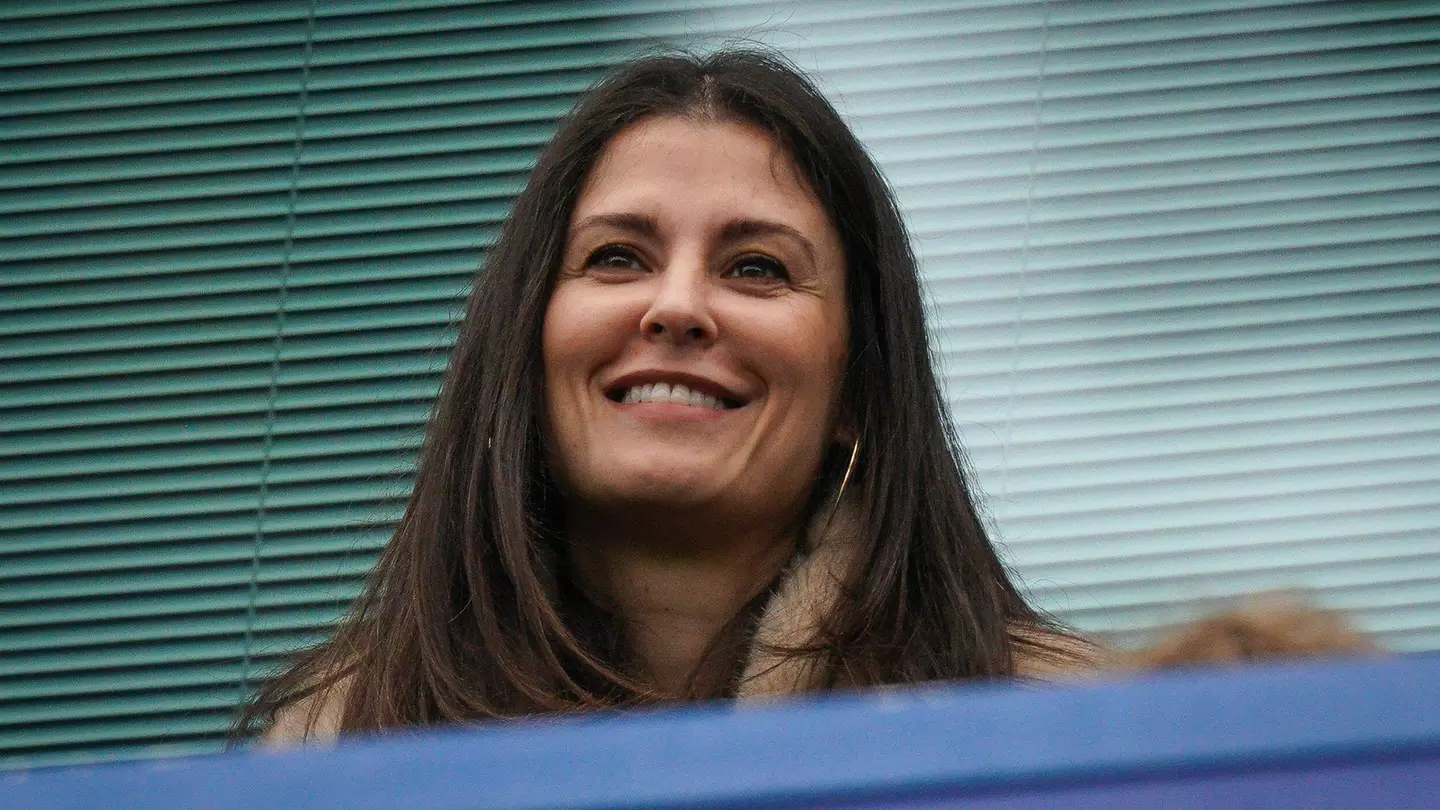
682 168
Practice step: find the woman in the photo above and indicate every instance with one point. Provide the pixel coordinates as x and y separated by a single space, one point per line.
690 443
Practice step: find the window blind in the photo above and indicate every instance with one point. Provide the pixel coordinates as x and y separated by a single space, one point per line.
236 239
1183 267
1181 259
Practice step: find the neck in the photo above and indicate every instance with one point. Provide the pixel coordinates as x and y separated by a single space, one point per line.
676 588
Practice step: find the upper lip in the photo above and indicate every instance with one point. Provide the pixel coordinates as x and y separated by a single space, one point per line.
694 382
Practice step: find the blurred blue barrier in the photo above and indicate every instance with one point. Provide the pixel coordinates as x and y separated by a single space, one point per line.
1353 734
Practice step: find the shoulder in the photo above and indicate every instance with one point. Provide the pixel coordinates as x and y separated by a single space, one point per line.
314 720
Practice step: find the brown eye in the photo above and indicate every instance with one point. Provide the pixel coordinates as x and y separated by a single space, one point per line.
759 268
613 257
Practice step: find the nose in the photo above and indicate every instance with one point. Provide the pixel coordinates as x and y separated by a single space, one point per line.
680 312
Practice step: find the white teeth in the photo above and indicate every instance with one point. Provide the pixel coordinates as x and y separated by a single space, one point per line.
680 394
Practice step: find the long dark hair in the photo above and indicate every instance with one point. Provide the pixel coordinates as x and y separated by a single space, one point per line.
470 612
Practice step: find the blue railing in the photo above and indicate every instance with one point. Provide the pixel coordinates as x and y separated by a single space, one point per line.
1355 734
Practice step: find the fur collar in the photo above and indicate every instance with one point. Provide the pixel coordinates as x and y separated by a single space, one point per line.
810 590
807 593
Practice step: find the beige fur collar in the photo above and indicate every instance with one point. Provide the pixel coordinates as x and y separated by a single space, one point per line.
808 592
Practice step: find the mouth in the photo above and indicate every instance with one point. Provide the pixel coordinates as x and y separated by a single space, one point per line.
694 392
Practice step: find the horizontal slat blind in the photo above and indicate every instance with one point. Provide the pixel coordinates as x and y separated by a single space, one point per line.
1185 273
145 185
1260 409
236 238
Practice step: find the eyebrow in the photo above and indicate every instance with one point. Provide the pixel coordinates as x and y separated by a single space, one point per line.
746 228
734 231
635 223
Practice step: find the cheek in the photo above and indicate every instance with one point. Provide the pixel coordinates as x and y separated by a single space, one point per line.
568 344
585 329
557 348
806 363
805 355
812 350
574 335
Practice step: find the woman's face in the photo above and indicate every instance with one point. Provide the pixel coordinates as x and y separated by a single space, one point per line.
696 338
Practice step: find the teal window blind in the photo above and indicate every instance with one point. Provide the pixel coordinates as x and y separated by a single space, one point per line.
236 239
1182 260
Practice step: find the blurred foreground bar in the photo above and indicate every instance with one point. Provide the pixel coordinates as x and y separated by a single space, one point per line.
1355 734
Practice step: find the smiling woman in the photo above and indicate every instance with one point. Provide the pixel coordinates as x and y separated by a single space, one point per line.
694 347
690 444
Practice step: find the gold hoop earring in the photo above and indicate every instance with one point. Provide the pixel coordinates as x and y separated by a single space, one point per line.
840 494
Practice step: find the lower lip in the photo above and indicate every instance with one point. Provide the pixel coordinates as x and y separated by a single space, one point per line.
670 411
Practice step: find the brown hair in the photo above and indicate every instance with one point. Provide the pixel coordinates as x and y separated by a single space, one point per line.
470 613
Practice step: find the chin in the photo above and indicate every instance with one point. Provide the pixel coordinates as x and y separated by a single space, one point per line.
674 490
637 480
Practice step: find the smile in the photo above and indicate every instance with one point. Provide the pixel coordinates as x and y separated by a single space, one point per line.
679 389
678 394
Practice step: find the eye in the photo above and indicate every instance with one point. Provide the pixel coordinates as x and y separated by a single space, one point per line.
614 258
758 268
